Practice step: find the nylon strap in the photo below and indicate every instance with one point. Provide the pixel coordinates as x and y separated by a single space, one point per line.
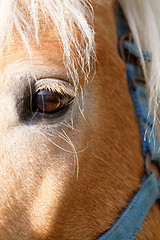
138 93
129 222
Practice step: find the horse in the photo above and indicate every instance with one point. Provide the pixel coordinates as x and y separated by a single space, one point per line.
71 157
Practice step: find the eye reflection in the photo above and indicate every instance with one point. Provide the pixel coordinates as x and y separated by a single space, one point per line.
46 101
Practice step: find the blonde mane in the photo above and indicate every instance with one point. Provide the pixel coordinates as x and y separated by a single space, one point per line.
143 21
72 19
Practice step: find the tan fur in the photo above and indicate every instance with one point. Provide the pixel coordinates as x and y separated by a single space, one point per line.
40 195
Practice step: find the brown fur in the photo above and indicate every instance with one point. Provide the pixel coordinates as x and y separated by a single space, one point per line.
40 195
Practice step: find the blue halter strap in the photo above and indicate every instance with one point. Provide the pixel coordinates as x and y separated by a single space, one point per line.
129 222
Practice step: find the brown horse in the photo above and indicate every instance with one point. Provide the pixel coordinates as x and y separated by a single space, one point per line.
71 157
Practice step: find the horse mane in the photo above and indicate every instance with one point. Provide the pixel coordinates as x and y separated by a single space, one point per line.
73 21
142 17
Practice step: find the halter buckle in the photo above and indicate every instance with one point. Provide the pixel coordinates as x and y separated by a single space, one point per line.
122 51
147 163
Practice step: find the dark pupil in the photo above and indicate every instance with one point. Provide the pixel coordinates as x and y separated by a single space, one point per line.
47 101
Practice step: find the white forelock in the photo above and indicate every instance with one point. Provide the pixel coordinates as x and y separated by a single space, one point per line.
70 17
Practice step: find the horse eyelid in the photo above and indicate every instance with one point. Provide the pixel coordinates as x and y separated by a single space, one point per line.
54 85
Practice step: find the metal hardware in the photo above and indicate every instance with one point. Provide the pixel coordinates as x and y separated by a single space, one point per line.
121 48
147 163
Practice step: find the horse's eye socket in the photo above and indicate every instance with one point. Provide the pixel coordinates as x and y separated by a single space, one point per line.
46 101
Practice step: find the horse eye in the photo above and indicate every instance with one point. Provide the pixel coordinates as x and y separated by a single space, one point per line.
46 101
